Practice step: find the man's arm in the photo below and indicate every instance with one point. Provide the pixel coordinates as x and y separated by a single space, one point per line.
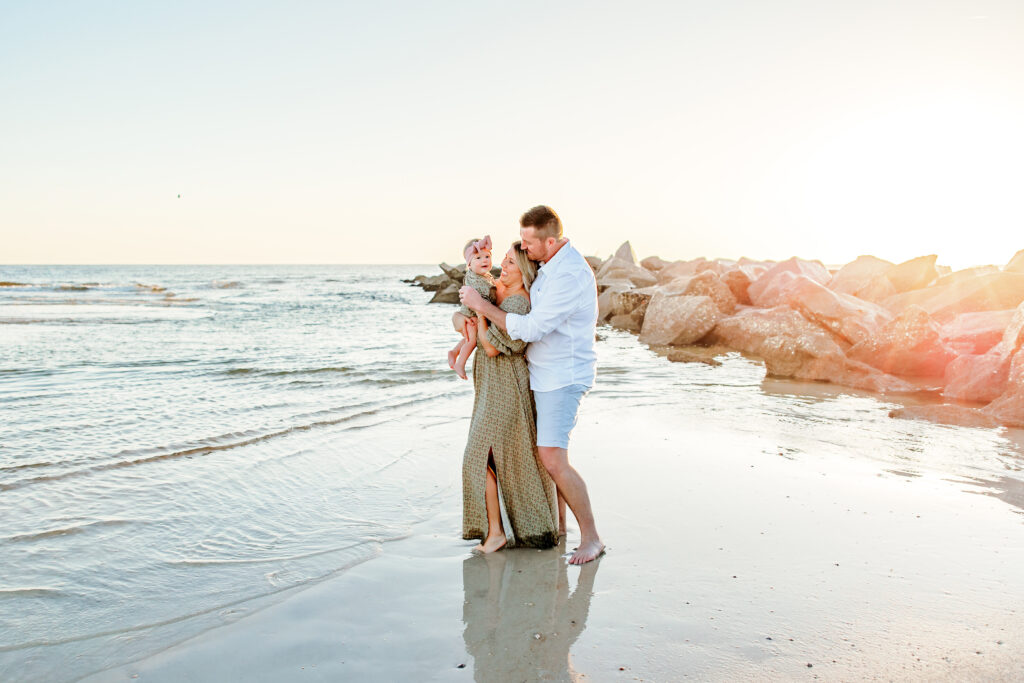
473 301
561 297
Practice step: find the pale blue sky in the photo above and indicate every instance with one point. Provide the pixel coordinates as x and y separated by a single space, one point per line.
393 132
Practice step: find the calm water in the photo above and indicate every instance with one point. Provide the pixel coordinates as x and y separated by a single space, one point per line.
180 444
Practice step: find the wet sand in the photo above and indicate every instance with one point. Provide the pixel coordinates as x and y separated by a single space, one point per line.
728 559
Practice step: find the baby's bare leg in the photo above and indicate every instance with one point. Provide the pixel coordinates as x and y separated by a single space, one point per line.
454 353
467 348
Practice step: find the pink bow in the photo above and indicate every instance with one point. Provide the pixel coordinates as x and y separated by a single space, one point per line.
478 247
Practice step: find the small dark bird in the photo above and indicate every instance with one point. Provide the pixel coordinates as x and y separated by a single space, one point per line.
179 196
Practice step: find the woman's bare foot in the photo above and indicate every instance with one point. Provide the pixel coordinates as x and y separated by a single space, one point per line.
587 552
491 544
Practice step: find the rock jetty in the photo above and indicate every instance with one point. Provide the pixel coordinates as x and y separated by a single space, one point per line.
871 324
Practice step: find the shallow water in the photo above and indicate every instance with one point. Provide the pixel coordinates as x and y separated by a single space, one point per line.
180 444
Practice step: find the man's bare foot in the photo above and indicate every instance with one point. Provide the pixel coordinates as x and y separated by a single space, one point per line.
451 359
491 544
587 552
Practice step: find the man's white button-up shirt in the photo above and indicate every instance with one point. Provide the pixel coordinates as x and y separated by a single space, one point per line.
561 323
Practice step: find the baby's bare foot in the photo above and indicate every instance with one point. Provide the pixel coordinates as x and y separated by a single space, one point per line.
451 359
460 370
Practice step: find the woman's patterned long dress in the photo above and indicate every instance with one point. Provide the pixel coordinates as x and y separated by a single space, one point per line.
504 424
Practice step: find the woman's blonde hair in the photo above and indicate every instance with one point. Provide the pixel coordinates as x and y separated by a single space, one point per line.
527 267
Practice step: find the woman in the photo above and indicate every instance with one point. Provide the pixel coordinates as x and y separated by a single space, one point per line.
508 497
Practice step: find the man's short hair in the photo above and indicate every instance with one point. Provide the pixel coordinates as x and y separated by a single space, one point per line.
544 221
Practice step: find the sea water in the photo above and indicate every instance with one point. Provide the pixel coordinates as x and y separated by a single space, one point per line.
180 445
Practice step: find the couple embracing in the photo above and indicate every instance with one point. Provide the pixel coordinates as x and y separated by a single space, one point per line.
516 473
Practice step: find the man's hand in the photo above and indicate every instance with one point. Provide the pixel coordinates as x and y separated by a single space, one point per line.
471 298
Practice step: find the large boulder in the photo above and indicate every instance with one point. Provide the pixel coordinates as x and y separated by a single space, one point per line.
863 277
626 253
1016 264
1008 408
761 289
449 294
705 283
676 269
606 299
432 283
456 273
623 266
984 377
974 333
738 279
979 378
793 346
910 345
955 277
653 263
594 262
913 274
996 291
853 320
628 308
678 319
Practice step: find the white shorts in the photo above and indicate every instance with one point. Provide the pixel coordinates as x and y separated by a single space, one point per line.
557 412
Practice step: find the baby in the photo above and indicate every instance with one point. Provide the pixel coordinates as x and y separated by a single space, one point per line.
478 276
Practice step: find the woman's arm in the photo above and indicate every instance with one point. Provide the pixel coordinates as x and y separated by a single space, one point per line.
481 333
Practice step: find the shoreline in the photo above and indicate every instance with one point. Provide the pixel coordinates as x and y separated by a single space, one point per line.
725 561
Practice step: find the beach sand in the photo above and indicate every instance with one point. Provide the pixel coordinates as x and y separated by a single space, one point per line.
729 559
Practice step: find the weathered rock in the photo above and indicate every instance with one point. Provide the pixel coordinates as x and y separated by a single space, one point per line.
1008 408
737 279
606 299
623 266
997 291
863 276
686 356
963 416
984 377
1016 264
964 275
626 253
595 262
852 319
702 265
653 263
981 378
629 303
910 345
974 333
814 270
456 273
449 294
793 346
624 322
678 319
432 283
705 283
675 270
913 274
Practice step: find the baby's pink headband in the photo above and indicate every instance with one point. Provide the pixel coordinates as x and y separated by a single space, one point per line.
477 247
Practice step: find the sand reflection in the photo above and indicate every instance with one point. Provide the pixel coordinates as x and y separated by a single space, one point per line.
521 619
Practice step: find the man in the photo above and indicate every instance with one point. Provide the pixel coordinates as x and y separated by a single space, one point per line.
560 328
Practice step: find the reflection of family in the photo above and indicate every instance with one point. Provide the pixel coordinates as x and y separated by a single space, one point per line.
516 472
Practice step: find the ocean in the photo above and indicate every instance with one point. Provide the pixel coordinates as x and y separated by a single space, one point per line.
181 445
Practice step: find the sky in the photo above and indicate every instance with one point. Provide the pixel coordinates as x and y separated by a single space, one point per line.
391 132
